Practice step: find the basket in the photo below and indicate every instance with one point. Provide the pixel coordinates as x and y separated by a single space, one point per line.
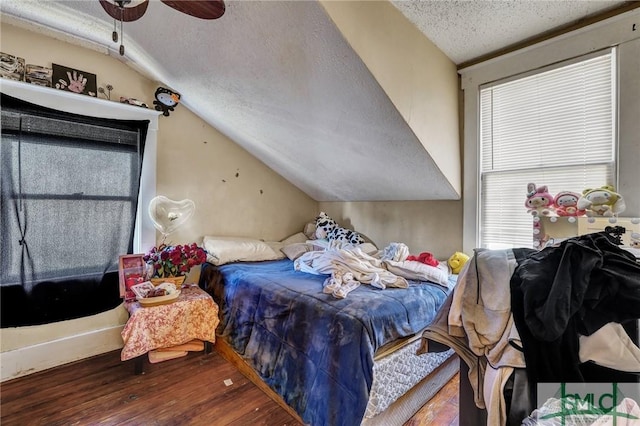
159 300
177 281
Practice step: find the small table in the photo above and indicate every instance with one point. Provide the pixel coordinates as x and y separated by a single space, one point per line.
194 315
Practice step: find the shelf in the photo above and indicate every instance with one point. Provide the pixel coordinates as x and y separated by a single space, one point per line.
76 103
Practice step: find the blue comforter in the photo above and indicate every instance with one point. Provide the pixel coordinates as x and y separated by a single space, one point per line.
314 350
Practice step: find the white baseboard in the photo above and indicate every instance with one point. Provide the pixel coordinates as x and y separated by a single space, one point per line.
30 359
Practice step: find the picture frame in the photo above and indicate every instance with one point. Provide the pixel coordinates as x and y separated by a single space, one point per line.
132 270
11 67
73 80
38 75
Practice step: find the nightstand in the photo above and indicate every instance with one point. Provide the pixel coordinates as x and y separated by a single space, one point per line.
194 315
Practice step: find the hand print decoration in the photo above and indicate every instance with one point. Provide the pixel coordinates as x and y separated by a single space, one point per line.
76 81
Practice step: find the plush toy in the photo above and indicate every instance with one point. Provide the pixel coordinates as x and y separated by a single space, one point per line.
539 201
635 240
457 261
565 203
327 228
603 201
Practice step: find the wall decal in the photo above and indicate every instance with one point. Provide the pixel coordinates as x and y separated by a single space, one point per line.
166 100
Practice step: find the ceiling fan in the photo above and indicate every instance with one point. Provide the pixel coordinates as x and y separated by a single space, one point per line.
120 10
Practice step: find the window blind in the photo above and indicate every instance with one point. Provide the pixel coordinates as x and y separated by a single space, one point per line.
556 128
69 188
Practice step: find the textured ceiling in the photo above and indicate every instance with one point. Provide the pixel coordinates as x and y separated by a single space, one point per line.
466 30
278 78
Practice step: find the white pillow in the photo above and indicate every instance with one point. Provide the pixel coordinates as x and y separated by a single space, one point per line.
310 230
294 251
276 246
368 248
295 239
413 270
221 250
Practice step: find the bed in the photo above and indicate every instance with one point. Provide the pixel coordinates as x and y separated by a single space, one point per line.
329 361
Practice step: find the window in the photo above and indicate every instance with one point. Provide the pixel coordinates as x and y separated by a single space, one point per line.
69 198
554 127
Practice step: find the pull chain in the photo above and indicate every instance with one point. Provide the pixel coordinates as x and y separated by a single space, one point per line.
121 33
114 34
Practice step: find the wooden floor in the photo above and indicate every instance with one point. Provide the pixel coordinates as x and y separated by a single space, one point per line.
186 391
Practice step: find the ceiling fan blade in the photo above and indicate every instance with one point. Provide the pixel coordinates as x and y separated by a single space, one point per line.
126 14
204 9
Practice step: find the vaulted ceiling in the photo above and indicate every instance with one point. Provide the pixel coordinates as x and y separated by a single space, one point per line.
302 90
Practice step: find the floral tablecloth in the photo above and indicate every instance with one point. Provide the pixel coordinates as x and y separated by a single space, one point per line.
194 315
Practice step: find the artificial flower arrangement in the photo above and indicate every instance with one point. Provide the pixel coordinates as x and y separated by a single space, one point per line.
174 261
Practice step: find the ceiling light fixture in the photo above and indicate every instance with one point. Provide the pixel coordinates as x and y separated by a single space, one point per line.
120 10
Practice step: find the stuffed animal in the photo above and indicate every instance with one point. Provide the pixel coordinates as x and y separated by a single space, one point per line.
635 240
539 201
565 203
457 261
327 228
603 201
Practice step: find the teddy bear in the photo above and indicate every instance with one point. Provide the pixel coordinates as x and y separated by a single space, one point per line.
603 201
457 261
539 200
565 204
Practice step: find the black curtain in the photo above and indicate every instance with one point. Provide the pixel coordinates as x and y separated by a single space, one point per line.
69 186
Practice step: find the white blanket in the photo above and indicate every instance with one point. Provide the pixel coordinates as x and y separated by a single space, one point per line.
365 268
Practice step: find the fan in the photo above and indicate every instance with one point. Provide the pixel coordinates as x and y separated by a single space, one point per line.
120 11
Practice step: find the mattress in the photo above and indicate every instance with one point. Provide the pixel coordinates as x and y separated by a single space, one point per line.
397 372
404 408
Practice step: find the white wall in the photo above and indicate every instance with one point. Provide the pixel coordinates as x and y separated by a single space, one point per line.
424 226
618 31
418 77
422 83
193 159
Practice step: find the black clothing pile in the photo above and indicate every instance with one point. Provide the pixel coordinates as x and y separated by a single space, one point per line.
568 290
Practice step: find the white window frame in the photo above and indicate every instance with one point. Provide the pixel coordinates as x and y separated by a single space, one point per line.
145 234
610 163
616 31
